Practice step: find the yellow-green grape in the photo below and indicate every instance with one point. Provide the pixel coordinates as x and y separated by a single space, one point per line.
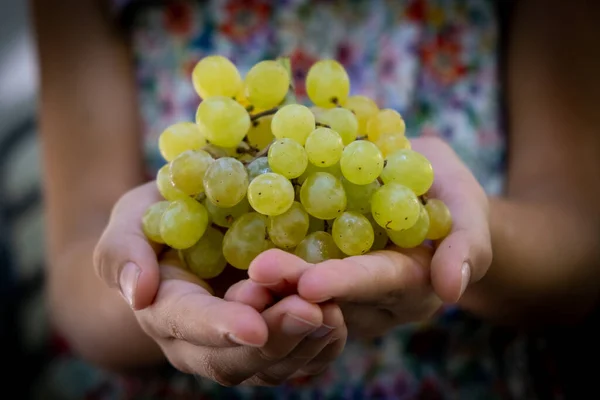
258 167
361 162
226 182
352 233
151 221
315 224
324 147
312 168
266 84
183 223
271 194
395 207
293 121
323 196
440 219
342 121
409 168
259 135
318 247
318 111
205 258
216 76
385 121
413 236
187 171
223 121
180 137
380 233
245 240
219 152
165 185
389 143
327 83
364 108
224 217
288 229
288 158
359 196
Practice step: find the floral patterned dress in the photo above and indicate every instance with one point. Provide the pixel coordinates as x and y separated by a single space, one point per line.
436 62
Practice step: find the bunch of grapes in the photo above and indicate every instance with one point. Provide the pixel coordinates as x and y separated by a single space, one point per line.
257 171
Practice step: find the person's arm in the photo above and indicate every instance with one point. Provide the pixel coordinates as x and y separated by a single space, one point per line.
91 148
546 231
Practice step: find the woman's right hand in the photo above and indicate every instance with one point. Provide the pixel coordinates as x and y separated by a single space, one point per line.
221 339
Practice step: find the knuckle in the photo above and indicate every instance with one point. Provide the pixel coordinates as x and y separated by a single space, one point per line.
268 355
271 378
223 376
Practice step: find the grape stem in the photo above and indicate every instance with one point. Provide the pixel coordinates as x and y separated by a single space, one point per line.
363 137
264 113
423 199
322 125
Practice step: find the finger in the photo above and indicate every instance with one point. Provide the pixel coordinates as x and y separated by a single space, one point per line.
278 271
124 258
250 293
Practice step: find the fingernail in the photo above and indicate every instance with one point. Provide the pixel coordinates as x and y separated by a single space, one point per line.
128 281
465 278
292 325
323 331
241 342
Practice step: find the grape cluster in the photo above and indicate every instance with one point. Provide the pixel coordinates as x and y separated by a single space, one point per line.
257 171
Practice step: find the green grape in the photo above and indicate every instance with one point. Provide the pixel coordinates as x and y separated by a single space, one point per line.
288 229
409 168
223 121
359 196
363 108
205 258
187 171
342 121
183 223
440 219
225 182
165 185
380 233
180 137
216 76
389 143
318 111
361 162
288 158
259 135
413 236
327 83
324 147
318 247
312 168
385 121
352 233
258 167
395 207
293 121
266 84
323 196
246 239
271 194
224 217
151 221
315 224
219 152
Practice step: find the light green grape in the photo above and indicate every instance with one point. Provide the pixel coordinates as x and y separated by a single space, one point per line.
165 185
409 168
324 147
440 219
327 83
293 121
352 233
288 229
257 167
363 108
266 84
361 162
312 168
359 196
315 224
226 182
220 152
385 121
216 76
260 135
205 258
343 121
288 158
389 143
183 223
271 194
188 169
381 237
323 196
245 240
413 236
180 137
151 221
224 217
318 247
395 207
223 121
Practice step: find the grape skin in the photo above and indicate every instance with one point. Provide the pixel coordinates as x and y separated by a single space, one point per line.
385 121
226 182
440 219
271 194
324 147
224 216
312 168
409 168
381 239
288 158
389 143
359 196
352 233
166 187
223 121
323 196
187 171
327 83
245 240
361 162
293 121
205 258
318 247
342 121
395 207
151 221
260 135
266 84
413 236
258 167
183 223
178 138
288 229
363 108
216 76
